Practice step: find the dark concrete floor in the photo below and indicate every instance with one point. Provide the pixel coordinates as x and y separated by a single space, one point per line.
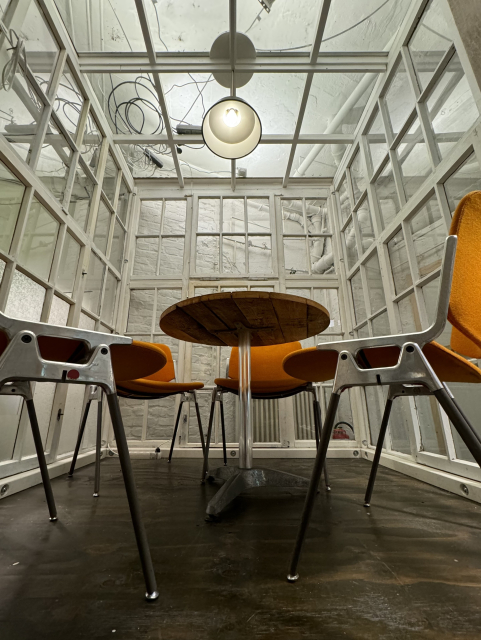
408 567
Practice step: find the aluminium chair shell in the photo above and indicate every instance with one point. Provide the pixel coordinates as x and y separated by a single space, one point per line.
268 382
412 370
39 352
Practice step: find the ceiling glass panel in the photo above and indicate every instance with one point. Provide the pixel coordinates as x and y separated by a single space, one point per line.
317 160
267 161
189 96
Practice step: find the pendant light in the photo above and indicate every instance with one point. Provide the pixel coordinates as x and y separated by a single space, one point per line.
231 128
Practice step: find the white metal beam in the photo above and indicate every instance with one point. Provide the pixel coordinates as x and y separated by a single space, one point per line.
267 138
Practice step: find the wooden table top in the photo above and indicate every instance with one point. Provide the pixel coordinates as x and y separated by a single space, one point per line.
273 318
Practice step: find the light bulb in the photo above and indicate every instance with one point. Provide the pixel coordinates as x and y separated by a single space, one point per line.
232 117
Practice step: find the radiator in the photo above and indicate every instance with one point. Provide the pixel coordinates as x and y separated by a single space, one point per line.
265 420
304 417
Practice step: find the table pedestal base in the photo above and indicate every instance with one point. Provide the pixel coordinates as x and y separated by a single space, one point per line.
239 480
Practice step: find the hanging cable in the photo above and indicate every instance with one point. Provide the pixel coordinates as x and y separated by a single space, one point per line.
10 69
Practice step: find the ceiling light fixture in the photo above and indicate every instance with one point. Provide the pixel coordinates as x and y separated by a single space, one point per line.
231 128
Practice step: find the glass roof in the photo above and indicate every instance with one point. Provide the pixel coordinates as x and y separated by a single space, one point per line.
103 30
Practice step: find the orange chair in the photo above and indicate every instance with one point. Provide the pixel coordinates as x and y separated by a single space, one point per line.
38 352
268 382
411 364
161 384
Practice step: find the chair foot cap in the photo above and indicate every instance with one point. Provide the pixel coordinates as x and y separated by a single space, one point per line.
69 475
53 519
150 597
328 488
292 578
367 504
95 495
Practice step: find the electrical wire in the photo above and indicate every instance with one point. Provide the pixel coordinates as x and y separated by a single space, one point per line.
10 68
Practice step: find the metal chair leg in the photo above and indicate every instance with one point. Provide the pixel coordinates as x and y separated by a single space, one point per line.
292 576
79 438
199 422
98 448
222 424
463 427
318 428
42 463
140 534
377 455
175 429
209 435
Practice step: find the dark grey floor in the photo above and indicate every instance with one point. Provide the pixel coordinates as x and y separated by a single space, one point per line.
409 567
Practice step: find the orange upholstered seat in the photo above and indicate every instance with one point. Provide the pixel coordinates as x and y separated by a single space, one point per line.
267 374
320 366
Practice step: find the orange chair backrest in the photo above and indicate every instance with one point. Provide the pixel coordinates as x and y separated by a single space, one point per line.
266 362
465 301
167 373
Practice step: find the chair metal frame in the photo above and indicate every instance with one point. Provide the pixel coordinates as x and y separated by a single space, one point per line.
21 363
411 375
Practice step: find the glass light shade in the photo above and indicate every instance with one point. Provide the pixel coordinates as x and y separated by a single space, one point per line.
231 128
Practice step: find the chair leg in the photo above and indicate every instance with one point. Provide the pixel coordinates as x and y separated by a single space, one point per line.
377 455
140 534
318 428
175 430
209 435
199 422
462 425
292 576
222 424
98 447
79 438
42 463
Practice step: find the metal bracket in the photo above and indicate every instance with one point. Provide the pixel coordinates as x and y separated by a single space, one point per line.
18 388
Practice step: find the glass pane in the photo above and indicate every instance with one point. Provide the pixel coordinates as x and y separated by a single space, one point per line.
466 179
233 215
431 40
317 217
292 216
376 139
429 233
470 403
11 410
91 142
399 99
86 322
54 161
358 298
399 262
409 314
451 107
400 424
123 202
374 284
430 425
350 244
171 260
150 216
380 325
233 254
146 255
69 102
363 332
345 202
258 218
141 311
39 240
110 178
117 249
68 265
295 256
25 298
165 299
174 217
93 284
321 255
357 177
11 195
207 254
102 227
373 412
387 195
260 255
40 45
209 214
108 302
59 312
81 197
366 231
413 159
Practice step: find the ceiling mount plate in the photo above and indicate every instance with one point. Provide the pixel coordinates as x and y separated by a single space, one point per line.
220 52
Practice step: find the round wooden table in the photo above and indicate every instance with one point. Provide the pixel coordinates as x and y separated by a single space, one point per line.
244 319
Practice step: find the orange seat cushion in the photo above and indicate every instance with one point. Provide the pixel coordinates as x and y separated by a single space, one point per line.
148 386
314 365
262 386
